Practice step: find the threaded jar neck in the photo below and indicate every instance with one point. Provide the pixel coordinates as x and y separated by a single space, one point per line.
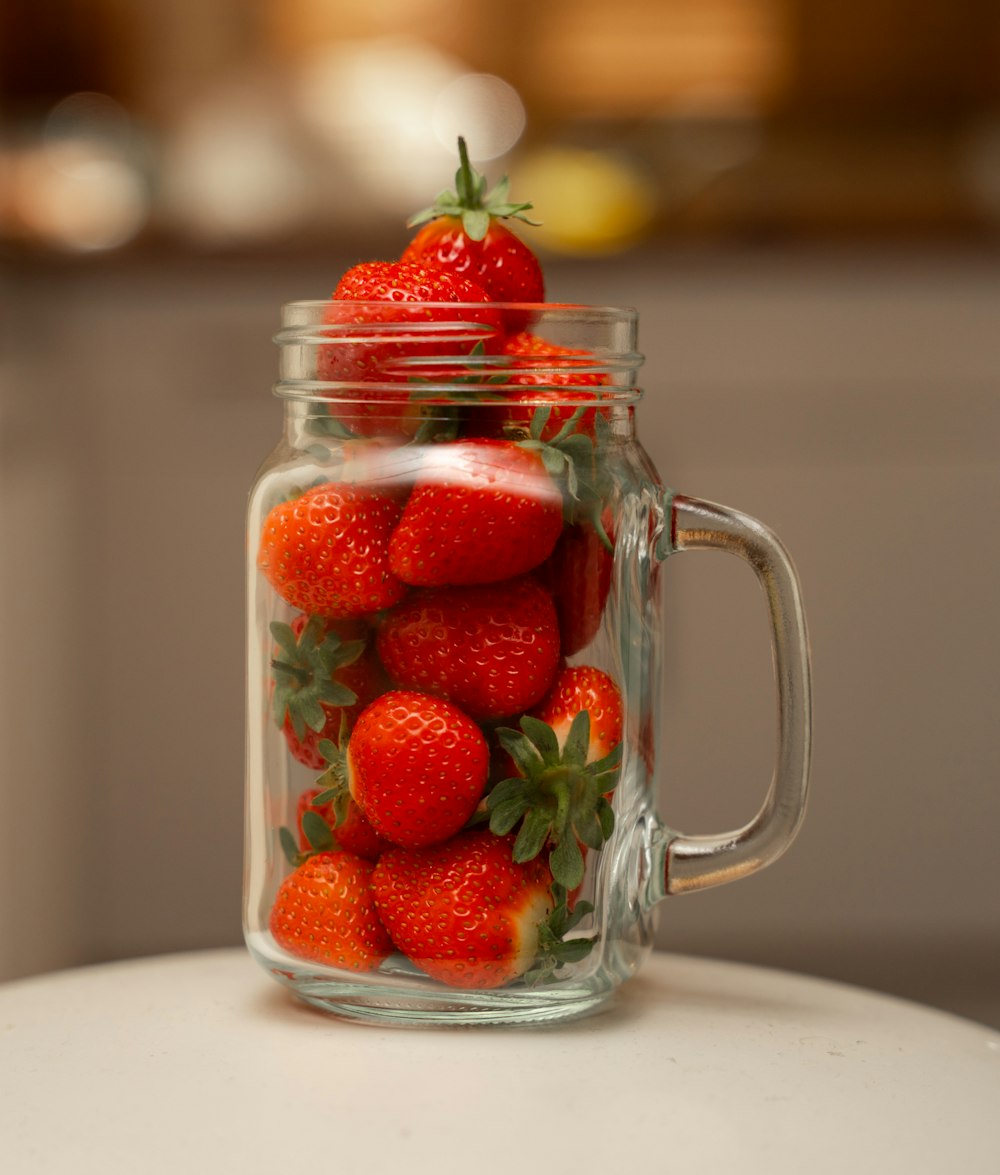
457 352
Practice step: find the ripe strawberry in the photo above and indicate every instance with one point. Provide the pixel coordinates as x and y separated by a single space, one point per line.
464 236
417 766
464 911
565 774
578 574
533 390
325 912
480 511
584 688
326 551
324 676
492 649
320 830
536 362
389 317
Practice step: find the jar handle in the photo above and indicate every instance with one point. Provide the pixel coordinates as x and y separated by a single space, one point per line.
698 862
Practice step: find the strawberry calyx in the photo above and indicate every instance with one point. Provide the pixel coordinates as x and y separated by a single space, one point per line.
333 782
441 412
318 834
471 203
572 459
555 950
333 790
303 669
559 799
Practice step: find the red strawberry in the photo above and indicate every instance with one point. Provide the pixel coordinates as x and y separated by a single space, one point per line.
326 551
324 676
465 237
492 649
464 912
578 574
325 912
536 362
534 384
354 833
390 318
417 766
480 511
584 688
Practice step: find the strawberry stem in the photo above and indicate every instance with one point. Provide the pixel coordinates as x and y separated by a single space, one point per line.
555 950
468 183
471 203
568 428
304 676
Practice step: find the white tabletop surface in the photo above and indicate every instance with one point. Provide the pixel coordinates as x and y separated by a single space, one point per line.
200 1063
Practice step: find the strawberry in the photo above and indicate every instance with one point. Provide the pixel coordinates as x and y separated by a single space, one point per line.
480 511
320 830
326 551
411 290
492 649
536 362
327 816
325 912
390 319
464 236
464 911
578 574
546 381
417 767
567 755
324 676
584 688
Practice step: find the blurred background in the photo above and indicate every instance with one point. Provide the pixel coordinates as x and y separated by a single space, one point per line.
802 197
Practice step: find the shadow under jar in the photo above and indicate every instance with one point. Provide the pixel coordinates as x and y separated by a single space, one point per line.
454 662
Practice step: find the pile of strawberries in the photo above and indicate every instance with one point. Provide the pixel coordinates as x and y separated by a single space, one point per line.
463 767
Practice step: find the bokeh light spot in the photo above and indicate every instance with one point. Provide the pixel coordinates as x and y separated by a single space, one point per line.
484 109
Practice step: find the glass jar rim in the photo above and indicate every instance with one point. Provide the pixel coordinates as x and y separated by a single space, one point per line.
370 349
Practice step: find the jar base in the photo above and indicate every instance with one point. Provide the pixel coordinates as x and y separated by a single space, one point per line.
405 1000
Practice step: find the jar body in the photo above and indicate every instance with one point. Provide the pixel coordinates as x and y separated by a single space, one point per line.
494 635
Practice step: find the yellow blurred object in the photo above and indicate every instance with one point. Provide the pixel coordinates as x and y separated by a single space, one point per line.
588 201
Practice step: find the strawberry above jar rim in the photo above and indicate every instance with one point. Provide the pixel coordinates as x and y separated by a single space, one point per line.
462 234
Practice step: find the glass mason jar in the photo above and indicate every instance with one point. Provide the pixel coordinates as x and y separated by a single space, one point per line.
454 662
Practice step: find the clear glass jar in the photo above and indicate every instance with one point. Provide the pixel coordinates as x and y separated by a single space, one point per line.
454 652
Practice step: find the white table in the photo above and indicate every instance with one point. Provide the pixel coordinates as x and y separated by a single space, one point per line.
200 1063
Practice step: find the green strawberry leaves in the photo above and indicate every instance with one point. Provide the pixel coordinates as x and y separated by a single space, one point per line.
333 790
555 950
559 799
303 669
574 460
333 781
471 203
318 834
